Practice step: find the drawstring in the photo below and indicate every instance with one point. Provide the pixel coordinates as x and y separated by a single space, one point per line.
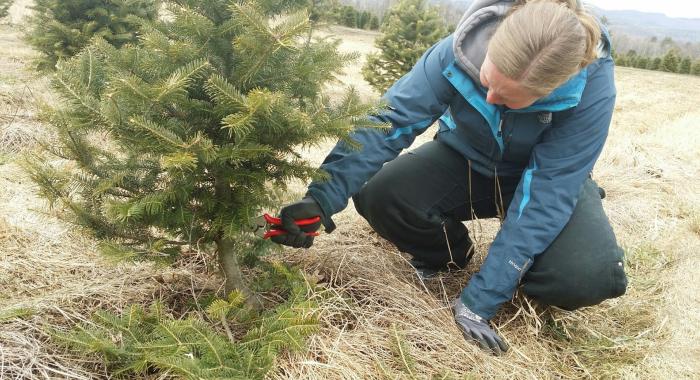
498 196
469 185
500 210
449 249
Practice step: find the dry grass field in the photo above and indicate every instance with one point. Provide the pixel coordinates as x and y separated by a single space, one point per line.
377 320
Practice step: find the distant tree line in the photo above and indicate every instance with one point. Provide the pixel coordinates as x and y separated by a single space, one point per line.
451 11
654 46
377 7
362 14
672 62
349 16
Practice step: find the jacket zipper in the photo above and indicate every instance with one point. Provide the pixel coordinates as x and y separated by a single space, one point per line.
499 135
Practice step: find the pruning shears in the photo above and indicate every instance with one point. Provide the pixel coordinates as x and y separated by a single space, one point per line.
267 226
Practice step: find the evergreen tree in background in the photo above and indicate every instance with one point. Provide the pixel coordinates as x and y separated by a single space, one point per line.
347 16
410 28
642 63
180 140
374 23
685 66
5 7
59 29
632 58
655 64
363 20
321 11
621 60
669 62
695 70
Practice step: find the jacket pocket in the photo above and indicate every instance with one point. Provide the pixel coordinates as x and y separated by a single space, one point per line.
522 133
473 130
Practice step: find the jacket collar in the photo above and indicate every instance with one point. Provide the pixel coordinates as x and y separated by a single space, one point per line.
566 96
562 98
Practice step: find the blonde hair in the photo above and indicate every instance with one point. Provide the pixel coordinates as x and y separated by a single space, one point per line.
543 43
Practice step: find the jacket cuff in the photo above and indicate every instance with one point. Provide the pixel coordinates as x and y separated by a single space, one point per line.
325 205
473 305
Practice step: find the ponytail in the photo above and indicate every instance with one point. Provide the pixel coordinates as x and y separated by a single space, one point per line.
593 32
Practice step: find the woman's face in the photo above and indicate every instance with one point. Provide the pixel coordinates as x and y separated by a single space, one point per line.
503 90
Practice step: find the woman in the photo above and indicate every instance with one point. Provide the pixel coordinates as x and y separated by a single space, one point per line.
524 94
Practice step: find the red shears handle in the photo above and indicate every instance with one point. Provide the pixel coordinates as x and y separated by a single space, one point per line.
301 222
277 229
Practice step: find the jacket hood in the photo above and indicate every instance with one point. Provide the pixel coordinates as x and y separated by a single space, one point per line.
474 31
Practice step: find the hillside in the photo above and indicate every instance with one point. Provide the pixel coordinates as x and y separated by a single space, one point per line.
644 24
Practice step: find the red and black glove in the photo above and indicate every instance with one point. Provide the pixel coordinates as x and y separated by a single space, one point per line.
296 236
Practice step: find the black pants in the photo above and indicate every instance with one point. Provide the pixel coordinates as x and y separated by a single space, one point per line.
418 198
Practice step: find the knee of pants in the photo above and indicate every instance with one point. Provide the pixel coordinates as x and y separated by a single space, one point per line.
584 265
573 288
381 207
369 202
421 234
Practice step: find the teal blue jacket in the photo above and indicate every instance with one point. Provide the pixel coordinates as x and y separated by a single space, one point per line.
551 145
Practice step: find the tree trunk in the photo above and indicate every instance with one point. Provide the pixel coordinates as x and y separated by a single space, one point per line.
227 253
232 272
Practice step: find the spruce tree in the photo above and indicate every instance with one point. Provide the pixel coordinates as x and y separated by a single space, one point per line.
348 16
695 70
632 58
59 29
655 64
149 343
669 62
374 23
409 29
322 10
363 20
642 62
179 140
685 66
5 7
621 60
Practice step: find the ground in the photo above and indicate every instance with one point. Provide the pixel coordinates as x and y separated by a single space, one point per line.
377 320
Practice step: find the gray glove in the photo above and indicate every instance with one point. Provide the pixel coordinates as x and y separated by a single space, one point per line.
477 329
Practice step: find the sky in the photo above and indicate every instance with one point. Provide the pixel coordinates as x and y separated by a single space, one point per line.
672 8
